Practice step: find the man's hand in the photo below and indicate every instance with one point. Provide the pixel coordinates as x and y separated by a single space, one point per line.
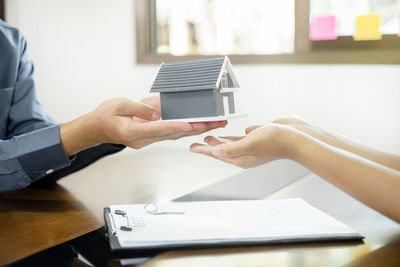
122 121
197 127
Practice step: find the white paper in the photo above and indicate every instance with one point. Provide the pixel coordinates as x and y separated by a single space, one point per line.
133 261
224 221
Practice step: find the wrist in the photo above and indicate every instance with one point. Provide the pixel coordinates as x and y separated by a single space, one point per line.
79 134
293 144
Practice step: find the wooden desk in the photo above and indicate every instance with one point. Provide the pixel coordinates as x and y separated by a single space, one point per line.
34 219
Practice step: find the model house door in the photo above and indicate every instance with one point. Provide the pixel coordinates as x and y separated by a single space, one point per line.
226 104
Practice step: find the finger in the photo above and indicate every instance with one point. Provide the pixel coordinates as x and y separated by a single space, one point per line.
130 108
213 141
290 120
142 142
202 127
185 134
166 129
245 161
208 125
193 131
199 126
232 138
222 124
208 151
212 125
136 130
202 149
153 101
252 128
231 150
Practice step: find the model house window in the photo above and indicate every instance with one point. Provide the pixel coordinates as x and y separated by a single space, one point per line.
224 80
261 31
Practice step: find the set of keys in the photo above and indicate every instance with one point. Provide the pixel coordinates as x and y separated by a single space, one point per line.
131 222
136 222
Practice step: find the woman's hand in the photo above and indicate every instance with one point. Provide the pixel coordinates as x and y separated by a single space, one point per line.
261 144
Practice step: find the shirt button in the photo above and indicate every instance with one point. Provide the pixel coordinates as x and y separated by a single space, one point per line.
49 171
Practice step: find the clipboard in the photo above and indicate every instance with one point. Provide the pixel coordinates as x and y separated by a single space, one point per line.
123 251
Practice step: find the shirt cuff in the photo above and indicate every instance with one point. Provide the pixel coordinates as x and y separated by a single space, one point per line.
40 152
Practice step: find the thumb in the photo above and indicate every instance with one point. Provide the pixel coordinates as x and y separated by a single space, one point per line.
231 150
252 128
133 109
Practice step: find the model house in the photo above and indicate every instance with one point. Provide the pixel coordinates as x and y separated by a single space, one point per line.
195 89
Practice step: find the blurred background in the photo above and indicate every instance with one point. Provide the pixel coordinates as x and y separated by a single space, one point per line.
85 51
257 27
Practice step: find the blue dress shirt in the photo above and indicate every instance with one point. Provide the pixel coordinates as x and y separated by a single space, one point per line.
30 146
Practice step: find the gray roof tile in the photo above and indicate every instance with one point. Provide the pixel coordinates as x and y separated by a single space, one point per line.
188 76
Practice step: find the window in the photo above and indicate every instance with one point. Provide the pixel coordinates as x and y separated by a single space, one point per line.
347 10
2 13
224 27
261 31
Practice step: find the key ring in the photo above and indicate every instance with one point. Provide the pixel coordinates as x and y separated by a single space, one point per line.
154 210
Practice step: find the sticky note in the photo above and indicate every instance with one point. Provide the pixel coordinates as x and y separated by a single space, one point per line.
367 27
399 26
323 28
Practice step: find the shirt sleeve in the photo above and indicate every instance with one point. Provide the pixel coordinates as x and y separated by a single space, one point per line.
29 157
26 113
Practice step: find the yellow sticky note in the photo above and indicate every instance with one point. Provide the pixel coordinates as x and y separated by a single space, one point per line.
367 27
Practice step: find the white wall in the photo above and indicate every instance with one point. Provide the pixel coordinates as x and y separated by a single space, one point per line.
84 52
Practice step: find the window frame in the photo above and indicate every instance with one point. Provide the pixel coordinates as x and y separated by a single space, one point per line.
2 10
344 50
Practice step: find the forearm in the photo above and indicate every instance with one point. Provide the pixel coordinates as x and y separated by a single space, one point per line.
388 159
374 184
382 157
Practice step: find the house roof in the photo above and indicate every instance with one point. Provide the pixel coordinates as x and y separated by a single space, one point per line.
190 75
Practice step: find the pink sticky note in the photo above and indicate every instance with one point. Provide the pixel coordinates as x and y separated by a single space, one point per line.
323 28
399 26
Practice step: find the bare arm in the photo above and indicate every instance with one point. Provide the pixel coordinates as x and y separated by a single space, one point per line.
372 183
385 158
